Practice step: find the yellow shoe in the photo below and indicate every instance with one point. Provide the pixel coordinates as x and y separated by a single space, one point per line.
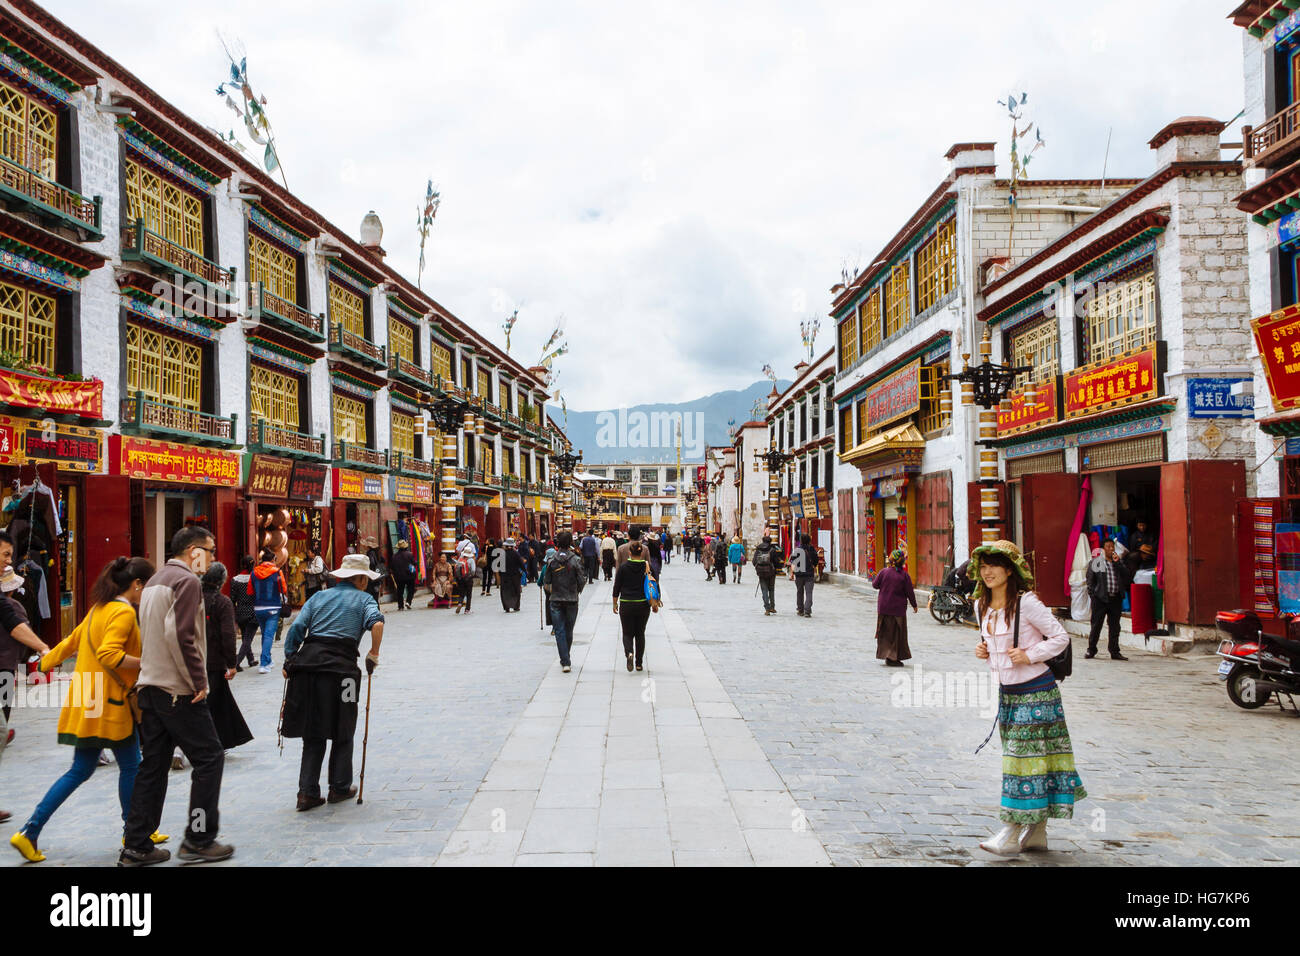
25 846
155 838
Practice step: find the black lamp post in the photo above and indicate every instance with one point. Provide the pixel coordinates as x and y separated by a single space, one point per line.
774 460
448 414
991 383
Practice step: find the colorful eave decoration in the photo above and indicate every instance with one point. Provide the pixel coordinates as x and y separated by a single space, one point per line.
174 155
27 68
1275 15
1282 207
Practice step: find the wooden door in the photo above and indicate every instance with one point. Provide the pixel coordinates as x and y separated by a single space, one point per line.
107 525
846 539
934 527
866 519
1200 536
1049 504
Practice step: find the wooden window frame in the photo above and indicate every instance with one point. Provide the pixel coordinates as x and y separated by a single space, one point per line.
1113 312
275 268
931 417
402 430
347 409
167 208
869 323
440 361
30 140
1041 342
401 339
348 309
165 368
936 266
274 389
898 299
29 323
848 341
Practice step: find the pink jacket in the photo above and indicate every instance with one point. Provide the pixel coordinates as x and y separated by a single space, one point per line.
1041 637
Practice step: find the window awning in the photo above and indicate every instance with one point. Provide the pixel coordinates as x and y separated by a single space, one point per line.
901 441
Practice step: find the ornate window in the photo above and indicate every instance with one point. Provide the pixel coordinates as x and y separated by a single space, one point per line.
401 339
869 322
273 267
165 207
932 417
936 266
862 421
27 325
28 133
484 385
898 300
347 309
440 359
350 420
1121 317
166 369
403 434
846 428
503 396
488 450
273 397
848 342
1036 346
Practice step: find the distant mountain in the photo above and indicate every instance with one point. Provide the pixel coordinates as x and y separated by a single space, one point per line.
645 433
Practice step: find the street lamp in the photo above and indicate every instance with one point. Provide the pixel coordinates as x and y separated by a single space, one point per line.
566 463
447 413
988 386
774 460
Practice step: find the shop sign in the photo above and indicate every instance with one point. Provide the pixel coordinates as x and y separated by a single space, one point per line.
824 502
315 526
410 491
481 501
783 505
269 477
1022 417
164 461
1288 228
358 485
308 481
545 504
810 503
894 397
1213 398
52 395
71 447
1133 377
1277 336
796 506
886 488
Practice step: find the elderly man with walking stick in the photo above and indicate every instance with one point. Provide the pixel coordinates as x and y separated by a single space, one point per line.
324 683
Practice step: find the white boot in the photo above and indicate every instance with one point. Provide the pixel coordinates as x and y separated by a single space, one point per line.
1006 842
1034 837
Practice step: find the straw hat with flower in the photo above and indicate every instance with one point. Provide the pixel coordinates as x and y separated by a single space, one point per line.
1003 549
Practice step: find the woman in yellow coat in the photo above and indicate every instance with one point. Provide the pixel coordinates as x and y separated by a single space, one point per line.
96 714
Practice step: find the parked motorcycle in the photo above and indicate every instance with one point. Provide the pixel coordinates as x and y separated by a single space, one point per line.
950 604
1257 665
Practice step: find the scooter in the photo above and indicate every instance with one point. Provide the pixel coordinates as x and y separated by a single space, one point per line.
1257 665
950 604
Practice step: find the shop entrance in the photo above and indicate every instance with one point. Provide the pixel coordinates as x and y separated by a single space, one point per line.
1120 499
165 513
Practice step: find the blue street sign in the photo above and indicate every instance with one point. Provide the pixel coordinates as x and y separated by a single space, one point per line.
1213 398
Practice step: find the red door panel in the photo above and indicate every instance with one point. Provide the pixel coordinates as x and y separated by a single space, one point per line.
1173 522
1050 503
1213 534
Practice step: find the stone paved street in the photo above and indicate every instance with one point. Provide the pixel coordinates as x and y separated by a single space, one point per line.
760 740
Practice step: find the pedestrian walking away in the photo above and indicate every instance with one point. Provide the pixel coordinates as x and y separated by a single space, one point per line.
608 550
1018 635
896 593
631 605
268 590
241 596
765 563
320 665
803 566
720 559
563 577
590 556
465 568
736 557
173 691
219 619
508 568
1108 581
404 570
485 566
107 646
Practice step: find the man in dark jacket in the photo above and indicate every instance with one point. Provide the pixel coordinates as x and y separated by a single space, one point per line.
563 578
590 556
404 575
1108 580
320 663
803 565
765 563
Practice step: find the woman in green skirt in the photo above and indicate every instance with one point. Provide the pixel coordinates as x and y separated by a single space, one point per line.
1039 781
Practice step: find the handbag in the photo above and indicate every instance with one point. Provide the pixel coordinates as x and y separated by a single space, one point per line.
129 695
1062 665
651 589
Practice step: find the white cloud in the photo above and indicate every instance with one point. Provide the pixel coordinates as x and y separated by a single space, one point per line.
681 181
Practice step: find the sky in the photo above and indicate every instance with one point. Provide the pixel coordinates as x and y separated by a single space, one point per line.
681 182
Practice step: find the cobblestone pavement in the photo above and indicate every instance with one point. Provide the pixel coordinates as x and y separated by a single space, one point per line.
481 751
1176 774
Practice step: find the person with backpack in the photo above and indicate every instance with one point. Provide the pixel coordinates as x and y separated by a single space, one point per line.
403 571
803 566
896 592
268 590
563 578
465 570
241 596
765 563
1019 636
219 613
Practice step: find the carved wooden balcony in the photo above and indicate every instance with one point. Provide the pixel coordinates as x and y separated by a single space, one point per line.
142 415
357 348
349 455
48 200
267 438
1275 142
268 307
140 244
403 369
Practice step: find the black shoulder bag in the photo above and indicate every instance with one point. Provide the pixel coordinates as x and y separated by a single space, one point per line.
1062 665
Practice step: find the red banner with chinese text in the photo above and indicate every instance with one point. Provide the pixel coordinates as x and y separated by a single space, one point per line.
164 461
52 395
1132 377
1277 336
1022 417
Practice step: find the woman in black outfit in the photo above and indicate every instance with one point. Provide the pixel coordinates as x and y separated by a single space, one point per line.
245 616
231 728
485 559
509 584
630 603
720 559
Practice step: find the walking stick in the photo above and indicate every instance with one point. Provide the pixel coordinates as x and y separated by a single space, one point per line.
365 739
279 729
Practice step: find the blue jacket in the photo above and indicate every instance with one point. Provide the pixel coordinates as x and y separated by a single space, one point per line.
736 552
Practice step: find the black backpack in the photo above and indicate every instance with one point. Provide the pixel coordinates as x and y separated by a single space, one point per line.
561 561
763 560
1062 665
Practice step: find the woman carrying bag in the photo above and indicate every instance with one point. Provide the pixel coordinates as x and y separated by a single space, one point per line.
1018 636
896 592
100 708
231 728
634 602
